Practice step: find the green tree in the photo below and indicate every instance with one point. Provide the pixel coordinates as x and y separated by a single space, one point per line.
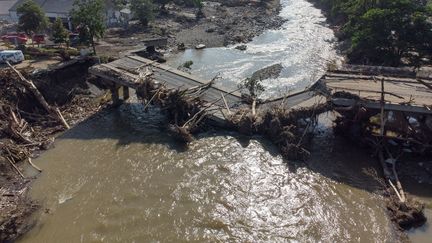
89 17
163 3
143 10
31 18
60 34
386 34
193 3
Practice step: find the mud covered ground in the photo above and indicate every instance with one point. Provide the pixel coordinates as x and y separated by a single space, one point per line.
224 23
26 130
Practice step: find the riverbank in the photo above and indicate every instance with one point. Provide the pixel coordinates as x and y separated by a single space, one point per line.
224 23
26 130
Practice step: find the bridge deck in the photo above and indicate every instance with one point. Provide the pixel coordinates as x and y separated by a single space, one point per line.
125 72
401 92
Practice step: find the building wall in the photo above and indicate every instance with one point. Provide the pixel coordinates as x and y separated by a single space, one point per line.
13 16
5 17
112 17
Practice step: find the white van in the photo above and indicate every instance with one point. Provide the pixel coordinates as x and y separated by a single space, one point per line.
13 56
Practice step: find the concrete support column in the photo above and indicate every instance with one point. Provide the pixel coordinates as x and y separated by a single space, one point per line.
125 93
115 97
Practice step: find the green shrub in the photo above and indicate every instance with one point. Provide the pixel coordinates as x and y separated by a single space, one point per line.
187 64
106 59
73 52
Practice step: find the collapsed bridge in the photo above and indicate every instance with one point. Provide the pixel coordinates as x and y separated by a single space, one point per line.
124 74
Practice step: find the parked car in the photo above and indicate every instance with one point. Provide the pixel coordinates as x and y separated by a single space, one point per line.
15 38
13 56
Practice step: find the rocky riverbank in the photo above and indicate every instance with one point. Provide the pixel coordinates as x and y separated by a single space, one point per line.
224 23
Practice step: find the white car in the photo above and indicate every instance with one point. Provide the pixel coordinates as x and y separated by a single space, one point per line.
13 56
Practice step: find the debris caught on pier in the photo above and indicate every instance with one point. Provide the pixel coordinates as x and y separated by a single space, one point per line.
289 129
399 136
393 119
184 108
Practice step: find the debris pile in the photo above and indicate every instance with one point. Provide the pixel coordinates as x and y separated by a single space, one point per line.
408 132
406 215
289 129
29 119
392 134
23 120
184 108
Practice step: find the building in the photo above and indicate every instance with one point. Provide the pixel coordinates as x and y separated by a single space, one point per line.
53 9
5 5
61 8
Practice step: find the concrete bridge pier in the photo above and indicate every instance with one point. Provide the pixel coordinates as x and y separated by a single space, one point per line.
115 94
125 93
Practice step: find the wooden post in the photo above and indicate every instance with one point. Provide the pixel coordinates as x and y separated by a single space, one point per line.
382 108
125 93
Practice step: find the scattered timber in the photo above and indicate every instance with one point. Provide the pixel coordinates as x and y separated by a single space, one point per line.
31 87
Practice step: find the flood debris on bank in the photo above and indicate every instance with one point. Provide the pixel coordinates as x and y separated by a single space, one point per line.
35 105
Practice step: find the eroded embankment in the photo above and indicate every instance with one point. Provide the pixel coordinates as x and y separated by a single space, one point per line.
26 128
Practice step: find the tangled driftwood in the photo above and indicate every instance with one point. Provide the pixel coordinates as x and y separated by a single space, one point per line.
289 129
389 134
184 108
28 84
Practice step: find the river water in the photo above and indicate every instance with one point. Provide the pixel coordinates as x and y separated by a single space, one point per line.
304 45
118 177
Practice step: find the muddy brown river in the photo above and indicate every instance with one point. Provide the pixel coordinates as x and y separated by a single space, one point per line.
118 177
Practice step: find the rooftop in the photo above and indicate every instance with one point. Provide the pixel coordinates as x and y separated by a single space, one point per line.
49 6
5 5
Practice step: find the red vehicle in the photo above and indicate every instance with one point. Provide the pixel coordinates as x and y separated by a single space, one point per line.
38 39
15 38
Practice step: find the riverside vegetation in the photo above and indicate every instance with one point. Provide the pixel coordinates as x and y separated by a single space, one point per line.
383 32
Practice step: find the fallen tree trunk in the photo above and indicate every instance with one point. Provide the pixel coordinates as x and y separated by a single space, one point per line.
32 87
